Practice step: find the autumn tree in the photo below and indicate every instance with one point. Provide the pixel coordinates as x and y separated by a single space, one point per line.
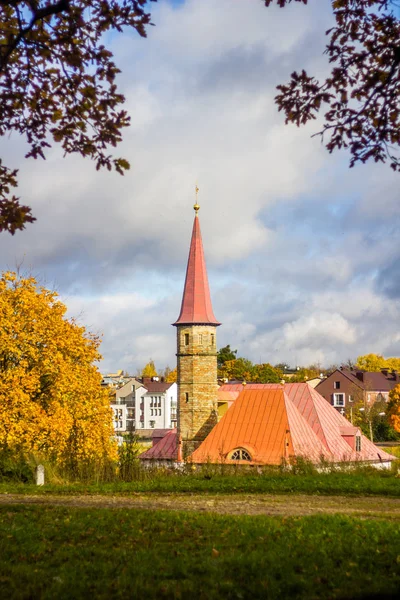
360 97
51 400
225 354
266 373
393 408
149 370
172 376
376 362
58 84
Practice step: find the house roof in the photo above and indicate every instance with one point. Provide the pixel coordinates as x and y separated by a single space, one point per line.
157 386
196 305
165 449
275 421
372 381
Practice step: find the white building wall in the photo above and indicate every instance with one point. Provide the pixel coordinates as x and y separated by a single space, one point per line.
153 409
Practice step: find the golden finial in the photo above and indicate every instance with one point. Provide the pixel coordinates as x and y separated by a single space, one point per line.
196 206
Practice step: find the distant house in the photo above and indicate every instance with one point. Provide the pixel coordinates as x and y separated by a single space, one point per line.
143 405
156 405
123 406
344 387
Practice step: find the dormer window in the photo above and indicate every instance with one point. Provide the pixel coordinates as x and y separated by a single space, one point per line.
240 454
358 443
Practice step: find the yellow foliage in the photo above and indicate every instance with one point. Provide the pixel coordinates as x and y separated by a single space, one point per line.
172 376
149 370
51 400
376 362
393 409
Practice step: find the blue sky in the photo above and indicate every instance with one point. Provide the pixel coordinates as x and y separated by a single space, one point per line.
302 251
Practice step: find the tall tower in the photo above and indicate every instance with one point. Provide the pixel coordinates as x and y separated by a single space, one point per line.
196 350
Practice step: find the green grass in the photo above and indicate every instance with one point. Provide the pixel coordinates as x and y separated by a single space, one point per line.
69 553
369 482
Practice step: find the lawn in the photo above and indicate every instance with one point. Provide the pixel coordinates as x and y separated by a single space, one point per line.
60 552
367 483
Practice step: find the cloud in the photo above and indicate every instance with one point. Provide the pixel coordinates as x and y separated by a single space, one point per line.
301 251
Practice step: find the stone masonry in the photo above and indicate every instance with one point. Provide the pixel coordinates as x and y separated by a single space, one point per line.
197 383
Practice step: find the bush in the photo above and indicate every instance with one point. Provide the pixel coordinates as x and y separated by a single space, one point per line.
15 467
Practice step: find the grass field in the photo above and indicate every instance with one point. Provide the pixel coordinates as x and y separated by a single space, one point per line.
368 482
63 553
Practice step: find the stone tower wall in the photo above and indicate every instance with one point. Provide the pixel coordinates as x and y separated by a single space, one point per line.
197 383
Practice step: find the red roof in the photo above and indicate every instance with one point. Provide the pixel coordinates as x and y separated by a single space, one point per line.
273 422
165 449
157 386
196 302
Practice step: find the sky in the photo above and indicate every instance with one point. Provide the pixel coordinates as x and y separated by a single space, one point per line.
302 252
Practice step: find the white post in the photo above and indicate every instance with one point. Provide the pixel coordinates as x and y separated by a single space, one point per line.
40 475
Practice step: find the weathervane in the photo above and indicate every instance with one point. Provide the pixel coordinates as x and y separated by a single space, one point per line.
196 206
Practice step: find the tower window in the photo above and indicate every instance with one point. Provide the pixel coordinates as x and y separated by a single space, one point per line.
186 396
212 339
186 339
200 339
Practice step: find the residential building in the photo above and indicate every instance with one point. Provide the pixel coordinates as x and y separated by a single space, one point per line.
344 387
155 406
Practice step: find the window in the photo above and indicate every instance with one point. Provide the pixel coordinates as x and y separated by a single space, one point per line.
240 454
200 339
368 397
186 396
186 339
159 412
338 399
336 385
151 412
212 339
159 400
152 423
351 398
358 443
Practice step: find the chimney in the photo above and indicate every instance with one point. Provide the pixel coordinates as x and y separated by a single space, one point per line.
360 375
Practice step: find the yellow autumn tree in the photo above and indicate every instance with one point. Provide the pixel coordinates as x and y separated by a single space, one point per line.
172 376
149 370
376 362
393 408
51 400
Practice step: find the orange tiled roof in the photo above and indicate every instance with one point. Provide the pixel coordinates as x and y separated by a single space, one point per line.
273 422
196 302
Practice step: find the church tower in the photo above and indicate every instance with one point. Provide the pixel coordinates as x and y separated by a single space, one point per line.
196 350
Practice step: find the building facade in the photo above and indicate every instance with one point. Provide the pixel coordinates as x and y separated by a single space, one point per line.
345 388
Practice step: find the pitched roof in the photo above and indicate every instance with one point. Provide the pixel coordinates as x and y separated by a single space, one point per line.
196 305
372 381
273 422
157 386
165 449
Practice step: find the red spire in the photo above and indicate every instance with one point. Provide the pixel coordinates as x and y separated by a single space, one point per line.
196 306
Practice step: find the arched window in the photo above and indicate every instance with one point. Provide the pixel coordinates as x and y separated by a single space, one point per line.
240 454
